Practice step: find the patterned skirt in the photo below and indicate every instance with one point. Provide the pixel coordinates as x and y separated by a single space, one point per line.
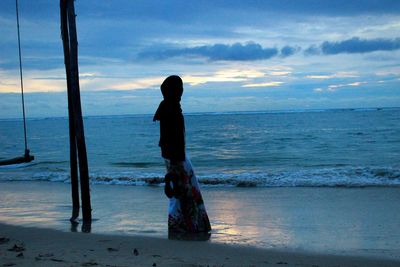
188 213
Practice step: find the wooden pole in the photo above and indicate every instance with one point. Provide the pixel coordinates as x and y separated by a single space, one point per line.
80 135
70 43
71 122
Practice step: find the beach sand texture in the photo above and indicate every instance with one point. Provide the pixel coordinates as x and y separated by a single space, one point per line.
44 247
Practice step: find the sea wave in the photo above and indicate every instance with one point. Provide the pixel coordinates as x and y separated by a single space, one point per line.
322 177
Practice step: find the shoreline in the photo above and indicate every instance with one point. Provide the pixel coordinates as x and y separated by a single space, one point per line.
48 247
354 222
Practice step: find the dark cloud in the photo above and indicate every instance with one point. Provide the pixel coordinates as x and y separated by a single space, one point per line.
289 50
312 50
353 46
357 45
254 51
235 52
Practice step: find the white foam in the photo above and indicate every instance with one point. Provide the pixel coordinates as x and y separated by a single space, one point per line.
323 177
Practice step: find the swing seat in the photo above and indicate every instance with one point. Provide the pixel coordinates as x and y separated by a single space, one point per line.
18 160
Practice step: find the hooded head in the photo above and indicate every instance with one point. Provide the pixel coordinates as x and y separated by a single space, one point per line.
172 88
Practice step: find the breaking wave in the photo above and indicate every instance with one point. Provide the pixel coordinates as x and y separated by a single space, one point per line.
323 177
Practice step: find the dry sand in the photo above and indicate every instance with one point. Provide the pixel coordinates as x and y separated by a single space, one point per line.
23 246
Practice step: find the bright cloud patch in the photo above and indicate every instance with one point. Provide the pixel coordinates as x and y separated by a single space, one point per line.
267 84
226 75
335 87
10 82
280 73
335 75
141 83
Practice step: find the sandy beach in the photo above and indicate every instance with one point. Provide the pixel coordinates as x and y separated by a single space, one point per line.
251 227
20 246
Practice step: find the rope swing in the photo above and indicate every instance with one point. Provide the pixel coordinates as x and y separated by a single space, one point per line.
27 157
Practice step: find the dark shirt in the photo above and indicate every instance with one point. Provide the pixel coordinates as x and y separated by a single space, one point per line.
172 132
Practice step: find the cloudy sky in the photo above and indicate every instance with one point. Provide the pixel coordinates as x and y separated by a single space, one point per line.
233 55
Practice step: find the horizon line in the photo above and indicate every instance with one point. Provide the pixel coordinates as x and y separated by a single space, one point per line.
238 112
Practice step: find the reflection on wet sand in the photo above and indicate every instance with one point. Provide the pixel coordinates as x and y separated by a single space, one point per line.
239 218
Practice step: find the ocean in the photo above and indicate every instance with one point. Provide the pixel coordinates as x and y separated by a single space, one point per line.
309 148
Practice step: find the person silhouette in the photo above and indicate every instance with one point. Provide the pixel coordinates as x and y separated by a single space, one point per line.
186 213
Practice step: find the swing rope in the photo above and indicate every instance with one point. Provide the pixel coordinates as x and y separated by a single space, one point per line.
26 158
22 83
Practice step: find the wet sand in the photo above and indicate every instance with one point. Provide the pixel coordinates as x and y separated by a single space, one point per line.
251 226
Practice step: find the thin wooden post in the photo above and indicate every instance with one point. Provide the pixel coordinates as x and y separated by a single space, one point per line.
71 122
80 135
77 136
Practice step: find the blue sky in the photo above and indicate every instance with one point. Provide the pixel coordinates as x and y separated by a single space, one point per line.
232 55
